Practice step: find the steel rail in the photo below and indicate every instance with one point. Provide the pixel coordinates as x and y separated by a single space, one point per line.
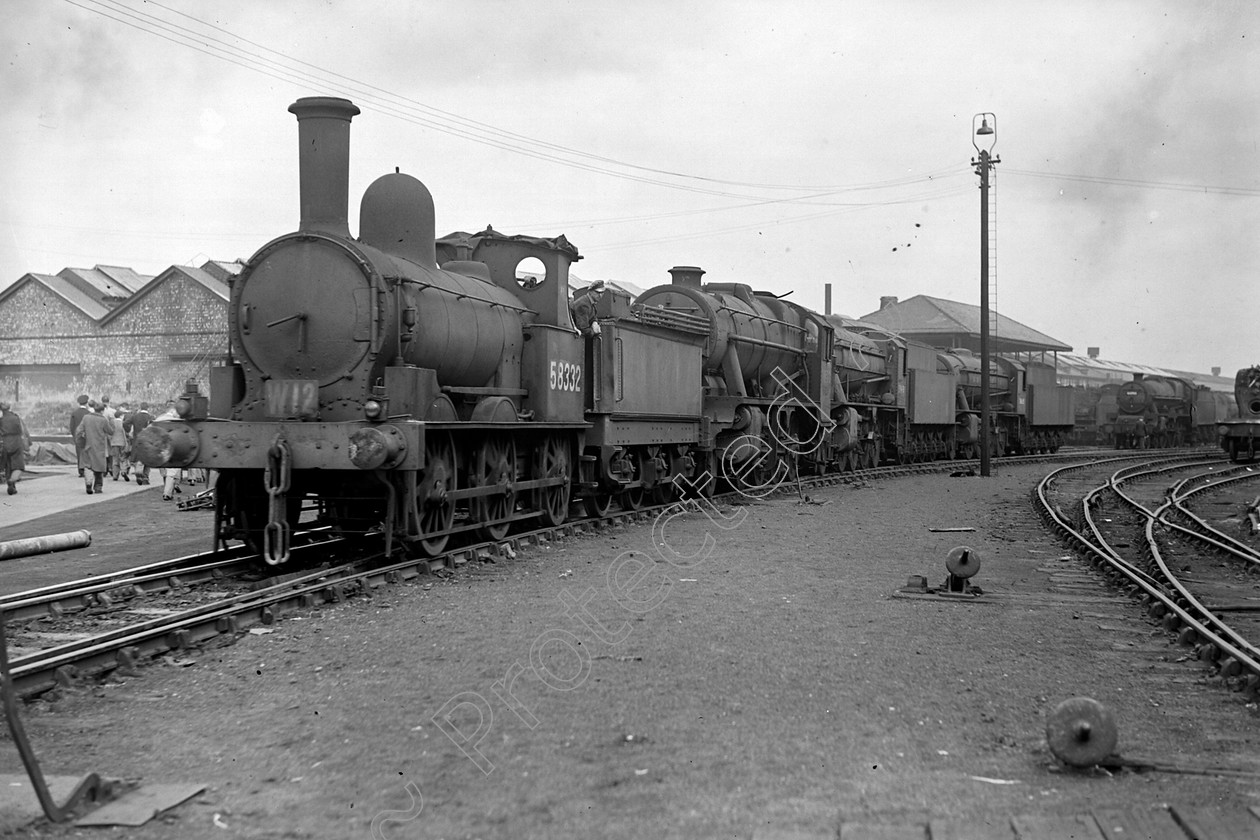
1160 602
37 672
83 593
1206 533
1230 640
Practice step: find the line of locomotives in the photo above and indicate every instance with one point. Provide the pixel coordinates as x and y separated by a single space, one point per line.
401 379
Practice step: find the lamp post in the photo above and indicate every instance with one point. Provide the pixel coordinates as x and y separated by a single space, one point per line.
983 163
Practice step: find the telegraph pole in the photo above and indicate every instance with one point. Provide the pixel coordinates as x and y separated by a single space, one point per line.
983 164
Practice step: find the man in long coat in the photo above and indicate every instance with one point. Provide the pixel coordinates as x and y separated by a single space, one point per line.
14 441
94 433
76 417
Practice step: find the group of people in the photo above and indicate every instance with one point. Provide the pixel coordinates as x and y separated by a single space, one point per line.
102 440
102 437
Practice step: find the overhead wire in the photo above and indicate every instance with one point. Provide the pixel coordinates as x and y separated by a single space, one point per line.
295 71
494 130
638 243
1134 182
404 108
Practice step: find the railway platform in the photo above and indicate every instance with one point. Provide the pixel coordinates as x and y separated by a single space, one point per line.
52 488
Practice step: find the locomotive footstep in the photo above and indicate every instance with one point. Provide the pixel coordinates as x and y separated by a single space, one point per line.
1081 732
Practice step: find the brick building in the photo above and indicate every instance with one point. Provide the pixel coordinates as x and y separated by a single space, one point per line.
111 330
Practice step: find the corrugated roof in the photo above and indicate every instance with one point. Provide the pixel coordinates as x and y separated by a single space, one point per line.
101 286
1087 363
931 320
66 290
221 269
1081 365
128 278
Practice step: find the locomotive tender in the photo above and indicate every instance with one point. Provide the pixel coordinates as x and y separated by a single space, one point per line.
1240 435
415 385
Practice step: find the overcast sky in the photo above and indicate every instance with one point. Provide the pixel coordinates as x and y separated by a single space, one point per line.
781 144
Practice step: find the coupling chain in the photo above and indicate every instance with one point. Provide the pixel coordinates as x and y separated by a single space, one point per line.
277 479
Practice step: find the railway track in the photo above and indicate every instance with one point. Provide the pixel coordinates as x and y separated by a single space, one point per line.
171 626
1132 518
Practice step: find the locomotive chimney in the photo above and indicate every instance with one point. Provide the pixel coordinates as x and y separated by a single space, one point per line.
887 301
1216 371
686 275
324 162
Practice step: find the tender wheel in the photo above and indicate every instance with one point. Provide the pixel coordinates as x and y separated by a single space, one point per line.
435 511
663 493
552 461
631 499
598 504
494 465
701 484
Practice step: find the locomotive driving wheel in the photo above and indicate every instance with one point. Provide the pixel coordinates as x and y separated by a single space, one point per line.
435 512
494 466
552 461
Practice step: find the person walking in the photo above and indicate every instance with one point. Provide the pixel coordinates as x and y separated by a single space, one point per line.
134 424
107 411
75 417
119 446
14 441
95 430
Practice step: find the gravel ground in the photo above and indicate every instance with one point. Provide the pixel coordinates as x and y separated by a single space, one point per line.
747 670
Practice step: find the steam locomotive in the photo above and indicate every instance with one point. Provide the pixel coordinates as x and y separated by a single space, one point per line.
1163 411
1240 435
426 387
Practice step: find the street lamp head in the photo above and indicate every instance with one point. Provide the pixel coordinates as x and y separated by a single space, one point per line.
987 130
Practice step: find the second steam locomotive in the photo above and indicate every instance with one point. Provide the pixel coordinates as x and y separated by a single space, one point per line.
424 386
1164 411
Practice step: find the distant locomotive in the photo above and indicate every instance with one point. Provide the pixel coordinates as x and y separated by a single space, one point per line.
1240 435
1163 411
418 386
1106 411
